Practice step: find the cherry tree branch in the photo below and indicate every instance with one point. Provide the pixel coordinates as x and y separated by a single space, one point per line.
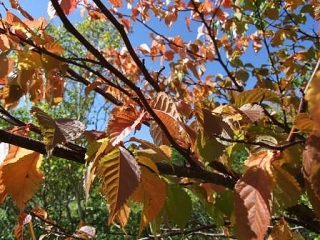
67 24
127 42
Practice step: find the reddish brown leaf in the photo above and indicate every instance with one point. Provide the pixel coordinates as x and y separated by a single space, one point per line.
252 196
311 163
166 109
123 121
16 5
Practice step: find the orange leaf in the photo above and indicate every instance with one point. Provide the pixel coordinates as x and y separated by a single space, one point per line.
152 193
281 230
123 120
116 3
21 175
252 196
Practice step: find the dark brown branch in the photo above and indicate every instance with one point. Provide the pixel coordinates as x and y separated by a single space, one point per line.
108 96
70 28
24 142
305 216
200 174
67 24
127 42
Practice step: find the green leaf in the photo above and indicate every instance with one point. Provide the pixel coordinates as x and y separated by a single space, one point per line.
224 202
209 149
178 205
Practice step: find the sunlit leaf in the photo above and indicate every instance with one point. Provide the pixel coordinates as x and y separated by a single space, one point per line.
152 193
16 5
166 110
252 111
67 6
303 122
120 175
21 176
281 230
123 121
252 196
255 96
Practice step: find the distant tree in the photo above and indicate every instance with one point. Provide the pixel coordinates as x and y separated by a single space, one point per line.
232 109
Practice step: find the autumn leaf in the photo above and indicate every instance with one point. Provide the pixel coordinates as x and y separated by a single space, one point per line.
311 163
287 191
255 96
67 6
303 122
15 4
116 3
21 175
166 110
151 192
120 175
56 131
281 230
123 121
252 196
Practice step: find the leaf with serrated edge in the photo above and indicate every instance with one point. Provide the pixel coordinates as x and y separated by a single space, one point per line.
123 121
120 175
151 192
21 176
94 152
122 216
173 126
165 108
288 188
252 197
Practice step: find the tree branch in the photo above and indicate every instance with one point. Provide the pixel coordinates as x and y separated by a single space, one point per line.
127 42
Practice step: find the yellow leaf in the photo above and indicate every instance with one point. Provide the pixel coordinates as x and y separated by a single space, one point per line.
147 162
120 175
28 60
151 192
21 176
303 122
255 96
